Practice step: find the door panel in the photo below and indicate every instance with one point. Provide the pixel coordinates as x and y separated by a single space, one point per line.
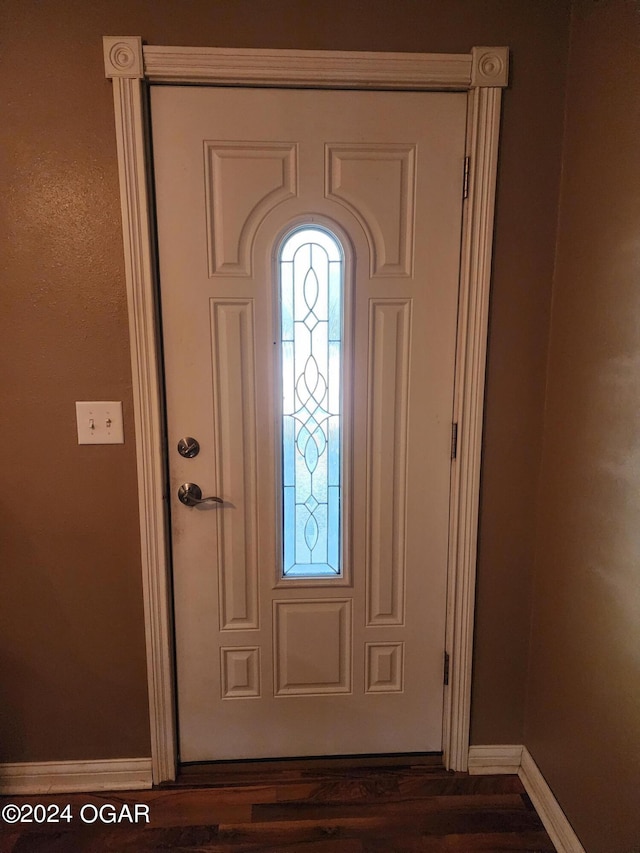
268 666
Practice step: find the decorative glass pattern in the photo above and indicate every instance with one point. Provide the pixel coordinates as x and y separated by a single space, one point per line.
311 286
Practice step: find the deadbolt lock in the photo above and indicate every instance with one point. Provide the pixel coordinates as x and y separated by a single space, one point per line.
188 447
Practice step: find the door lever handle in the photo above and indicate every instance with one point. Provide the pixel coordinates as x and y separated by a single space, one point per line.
190 494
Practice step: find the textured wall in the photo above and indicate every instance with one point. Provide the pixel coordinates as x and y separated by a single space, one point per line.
583 709
72 666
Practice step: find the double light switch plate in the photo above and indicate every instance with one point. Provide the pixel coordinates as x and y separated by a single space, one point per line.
100 422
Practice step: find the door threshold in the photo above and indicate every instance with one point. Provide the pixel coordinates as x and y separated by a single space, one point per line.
215 773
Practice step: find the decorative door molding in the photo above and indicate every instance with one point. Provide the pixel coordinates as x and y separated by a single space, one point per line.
482 73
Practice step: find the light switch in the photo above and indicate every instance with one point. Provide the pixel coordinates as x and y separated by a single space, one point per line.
100 423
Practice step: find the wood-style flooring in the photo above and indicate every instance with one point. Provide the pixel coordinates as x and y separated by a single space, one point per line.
297 808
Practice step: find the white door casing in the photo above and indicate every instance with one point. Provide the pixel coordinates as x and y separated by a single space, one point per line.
268 667
482 74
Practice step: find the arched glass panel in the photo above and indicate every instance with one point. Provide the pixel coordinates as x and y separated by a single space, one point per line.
311 269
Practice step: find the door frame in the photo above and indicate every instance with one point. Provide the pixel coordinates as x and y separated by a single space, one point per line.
482 74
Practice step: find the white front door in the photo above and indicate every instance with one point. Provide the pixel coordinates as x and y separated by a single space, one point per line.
309 246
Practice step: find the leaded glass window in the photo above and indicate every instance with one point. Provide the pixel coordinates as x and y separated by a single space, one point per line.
311 271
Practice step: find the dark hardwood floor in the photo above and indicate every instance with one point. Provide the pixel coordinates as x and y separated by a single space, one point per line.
312 807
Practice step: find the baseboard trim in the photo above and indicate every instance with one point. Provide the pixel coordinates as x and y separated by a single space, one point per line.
554 819
516 759
494 759
58 777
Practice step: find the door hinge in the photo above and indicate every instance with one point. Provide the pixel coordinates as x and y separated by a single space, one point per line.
465 180
446 668
454 440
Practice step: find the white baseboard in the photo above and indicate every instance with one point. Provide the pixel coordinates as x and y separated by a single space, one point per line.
554 819
489 760
515 758
58 777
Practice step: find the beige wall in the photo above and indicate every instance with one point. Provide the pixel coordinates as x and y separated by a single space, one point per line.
72 665
583 708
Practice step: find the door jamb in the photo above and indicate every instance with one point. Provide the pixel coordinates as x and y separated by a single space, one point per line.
482 73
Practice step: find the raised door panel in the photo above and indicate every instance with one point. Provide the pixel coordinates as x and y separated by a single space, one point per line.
243 183
388 397
312 647
234 402
377 184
